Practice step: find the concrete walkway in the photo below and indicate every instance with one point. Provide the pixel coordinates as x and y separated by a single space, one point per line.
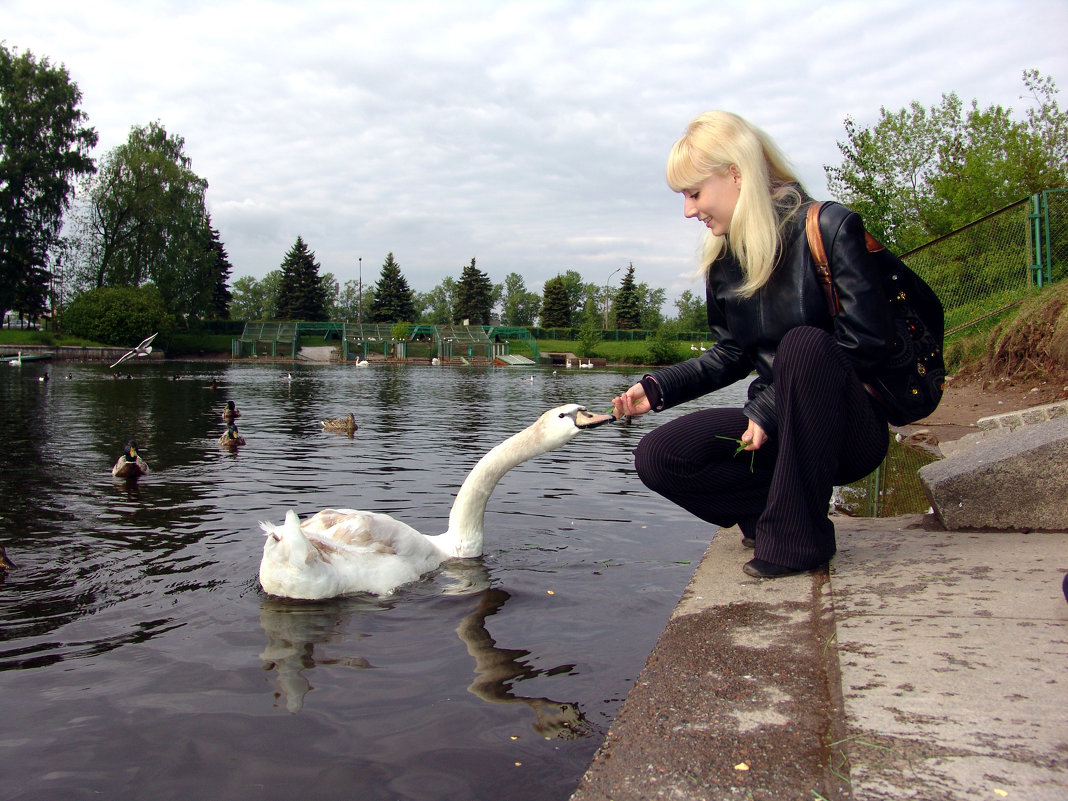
923 664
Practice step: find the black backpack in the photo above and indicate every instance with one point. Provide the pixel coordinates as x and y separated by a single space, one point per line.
911 383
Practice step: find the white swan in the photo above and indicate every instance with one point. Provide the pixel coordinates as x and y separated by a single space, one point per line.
362 362
338 551
17 361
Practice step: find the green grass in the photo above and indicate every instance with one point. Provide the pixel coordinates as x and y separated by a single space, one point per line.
10 337
614 352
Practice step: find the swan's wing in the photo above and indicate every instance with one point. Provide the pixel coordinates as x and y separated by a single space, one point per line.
367 531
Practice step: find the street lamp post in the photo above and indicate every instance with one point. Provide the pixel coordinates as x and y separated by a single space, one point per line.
606 296
359 298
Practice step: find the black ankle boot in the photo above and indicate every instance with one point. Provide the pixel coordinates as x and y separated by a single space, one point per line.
759 568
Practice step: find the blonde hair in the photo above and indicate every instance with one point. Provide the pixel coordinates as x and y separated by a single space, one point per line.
770 192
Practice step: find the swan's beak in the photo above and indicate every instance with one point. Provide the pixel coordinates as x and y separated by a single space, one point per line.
587 419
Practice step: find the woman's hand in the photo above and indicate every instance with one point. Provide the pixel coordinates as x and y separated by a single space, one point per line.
755 437
631 403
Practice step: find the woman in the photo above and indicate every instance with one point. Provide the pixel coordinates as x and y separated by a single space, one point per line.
808 424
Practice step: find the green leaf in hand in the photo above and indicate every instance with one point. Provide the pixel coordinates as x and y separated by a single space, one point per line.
742 445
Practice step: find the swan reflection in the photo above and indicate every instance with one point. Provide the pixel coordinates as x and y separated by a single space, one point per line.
496 669
293 632
298 633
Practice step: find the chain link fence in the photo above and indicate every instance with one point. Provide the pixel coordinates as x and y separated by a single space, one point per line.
980 272
987 267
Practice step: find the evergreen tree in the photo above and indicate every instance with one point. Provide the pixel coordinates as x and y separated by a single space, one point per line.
393 298
44 148
221 296
474 296
555 305
301 295
627 307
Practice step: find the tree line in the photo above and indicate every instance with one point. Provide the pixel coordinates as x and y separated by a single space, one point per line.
129 237
297 291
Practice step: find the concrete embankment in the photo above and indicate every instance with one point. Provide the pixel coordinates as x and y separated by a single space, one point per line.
72 353
923 663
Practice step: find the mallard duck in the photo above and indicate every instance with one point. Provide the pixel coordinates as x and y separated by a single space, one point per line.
344 425
339 551
5 560
130 464
230 413
230 438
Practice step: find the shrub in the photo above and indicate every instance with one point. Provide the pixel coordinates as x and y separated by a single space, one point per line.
120 316
664 346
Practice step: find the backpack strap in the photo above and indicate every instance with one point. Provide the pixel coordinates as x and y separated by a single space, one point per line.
819 257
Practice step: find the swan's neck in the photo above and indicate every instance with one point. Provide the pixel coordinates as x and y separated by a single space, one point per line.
464 537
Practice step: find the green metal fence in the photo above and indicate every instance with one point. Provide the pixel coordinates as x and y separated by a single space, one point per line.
987 267
980 272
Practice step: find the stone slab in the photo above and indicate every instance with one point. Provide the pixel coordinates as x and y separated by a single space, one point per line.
1019 482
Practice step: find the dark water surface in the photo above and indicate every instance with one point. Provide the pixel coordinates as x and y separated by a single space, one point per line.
139 657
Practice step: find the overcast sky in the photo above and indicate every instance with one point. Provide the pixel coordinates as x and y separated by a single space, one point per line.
529 135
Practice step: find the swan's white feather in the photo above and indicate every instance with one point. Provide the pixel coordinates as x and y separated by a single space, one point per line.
339 551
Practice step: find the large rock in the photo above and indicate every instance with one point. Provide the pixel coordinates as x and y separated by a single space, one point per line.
1015 482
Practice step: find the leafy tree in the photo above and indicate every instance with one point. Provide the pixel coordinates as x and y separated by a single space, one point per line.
555 304
650 301
439 304
121 316
664 345
520 306
627 306
301 295
474 296
590 328
576 291
221 296
256 300
349 300
331 295
145 220
393 300
44 149
920 173
693 313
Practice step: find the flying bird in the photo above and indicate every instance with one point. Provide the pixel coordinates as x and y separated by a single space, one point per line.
143 349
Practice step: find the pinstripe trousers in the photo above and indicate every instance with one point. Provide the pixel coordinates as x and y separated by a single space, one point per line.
830 432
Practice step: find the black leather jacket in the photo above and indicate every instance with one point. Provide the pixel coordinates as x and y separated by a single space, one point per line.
748 330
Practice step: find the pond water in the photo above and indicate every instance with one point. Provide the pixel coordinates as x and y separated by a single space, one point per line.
139 657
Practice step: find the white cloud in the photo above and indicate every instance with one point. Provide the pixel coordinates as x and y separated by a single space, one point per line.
529 135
